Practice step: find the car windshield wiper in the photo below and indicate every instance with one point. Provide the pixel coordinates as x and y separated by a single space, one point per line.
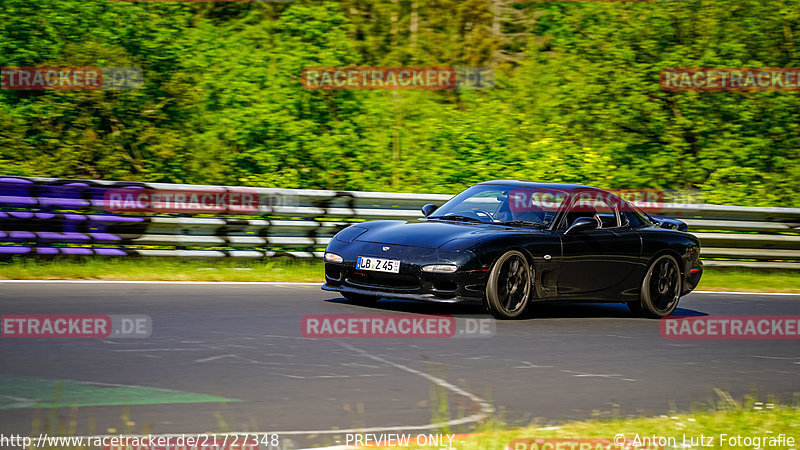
521 223
459 218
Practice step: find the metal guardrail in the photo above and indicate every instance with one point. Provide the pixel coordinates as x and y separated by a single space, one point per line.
47 216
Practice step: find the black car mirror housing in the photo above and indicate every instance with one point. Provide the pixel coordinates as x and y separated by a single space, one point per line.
582 223
428 209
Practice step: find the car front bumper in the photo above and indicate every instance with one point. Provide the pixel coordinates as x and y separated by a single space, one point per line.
401 295
693 275
466 284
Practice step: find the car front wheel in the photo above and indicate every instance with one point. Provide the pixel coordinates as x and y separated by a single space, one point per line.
508 290
661 288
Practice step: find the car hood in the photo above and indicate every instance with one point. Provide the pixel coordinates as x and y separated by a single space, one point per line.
431 234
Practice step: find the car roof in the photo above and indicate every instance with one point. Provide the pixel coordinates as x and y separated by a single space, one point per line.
530 184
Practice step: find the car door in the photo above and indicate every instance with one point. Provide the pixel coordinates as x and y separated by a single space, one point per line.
596 260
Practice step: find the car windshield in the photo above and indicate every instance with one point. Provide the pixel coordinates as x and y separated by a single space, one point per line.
514 205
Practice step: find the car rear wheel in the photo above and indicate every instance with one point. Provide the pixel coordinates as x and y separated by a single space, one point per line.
360 299
508 290
661 288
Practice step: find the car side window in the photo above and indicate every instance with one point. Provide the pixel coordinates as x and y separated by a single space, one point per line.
633 220
606 215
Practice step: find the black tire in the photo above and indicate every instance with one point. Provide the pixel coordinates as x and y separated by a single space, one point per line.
508 290
636 308
661 288
360 299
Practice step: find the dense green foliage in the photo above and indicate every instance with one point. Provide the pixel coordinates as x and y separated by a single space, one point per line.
577 96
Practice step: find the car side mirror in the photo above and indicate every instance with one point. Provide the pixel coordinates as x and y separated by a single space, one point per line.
582 223
428 209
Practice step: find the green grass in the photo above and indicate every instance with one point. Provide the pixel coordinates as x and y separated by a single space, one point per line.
164 269
750 418
722 279
754 420
303 269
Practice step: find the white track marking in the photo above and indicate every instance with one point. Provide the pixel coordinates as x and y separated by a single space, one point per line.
530 365
314 377
615 376
486 407
21 402
485 410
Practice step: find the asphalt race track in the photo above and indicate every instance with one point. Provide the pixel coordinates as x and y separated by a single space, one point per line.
231 357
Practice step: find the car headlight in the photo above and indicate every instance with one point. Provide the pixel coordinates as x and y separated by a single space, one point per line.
333 257
440 268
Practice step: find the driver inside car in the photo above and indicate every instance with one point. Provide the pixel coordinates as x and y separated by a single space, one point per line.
528 213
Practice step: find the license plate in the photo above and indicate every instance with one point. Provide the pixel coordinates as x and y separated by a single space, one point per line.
378 264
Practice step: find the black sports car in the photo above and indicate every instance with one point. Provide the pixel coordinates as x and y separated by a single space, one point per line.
510 243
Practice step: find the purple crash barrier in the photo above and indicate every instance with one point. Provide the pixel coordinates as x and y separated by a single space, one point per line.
106 218
62 237
16 192
19 250
97 195
18 201
110 252
72 221
21 214
76 251
63 202
71 228
21 235
75 217
69 195
14 250
105 237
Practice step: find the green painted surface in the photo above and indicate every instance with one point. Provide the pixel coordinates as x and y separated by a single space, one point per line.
32 392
